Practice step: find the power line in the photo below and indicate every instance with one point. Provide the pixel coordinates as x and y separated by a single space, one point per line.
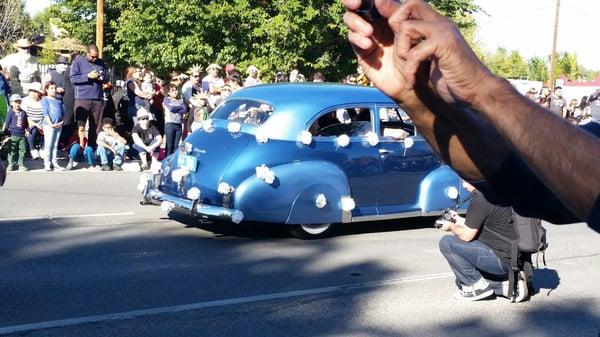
516 15
580 12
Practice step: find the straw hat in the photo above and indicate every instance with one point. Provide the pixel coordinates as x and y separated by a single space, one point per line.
36 86
252 68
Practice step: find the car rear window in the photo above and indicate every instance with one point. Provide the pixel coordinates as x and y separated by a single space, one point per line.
243 111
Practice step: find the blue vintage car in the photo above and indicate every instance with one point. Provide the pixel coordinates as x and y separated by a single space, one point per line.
306 156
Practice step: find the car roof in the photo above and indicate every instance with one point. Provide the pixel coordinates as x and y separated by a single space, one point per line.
314 96
296 104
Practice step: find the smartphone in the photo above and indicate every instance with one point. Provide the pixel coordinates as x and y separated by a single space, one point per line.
368 10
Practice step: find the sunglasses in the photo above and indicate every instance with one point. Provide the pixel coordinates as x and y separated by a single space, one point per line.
143 118
196 76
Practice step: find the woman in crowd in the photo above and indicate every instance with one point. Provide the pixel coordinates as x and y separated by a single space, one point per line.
174 108
32 104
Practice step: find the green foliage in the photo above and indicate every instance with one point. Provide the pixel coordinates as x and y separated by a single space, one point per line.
14 24
507 65
47 55
273 35
537 69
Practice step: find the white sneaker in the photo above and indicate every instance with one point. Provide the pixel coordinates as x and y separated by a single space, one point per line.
58 167
35 154
523 290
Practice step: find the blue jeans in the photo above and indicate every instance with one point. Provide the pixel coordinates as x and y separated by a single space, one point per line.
35 139
468 259
106 155
51 136
88 154
173 135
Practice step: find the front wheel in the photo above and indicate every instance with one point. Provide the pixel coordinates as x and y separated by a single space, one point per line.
311 231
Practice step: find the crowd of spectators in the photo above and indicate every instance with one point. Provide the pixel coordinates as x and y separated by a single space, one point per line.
145 117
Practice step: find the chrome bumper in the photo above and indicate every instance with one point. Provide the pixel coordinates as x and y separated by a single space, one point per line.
168 202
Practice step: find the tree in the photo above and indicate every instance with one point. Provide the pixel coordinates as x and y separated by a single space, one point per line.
14 23
273 35
567 65
537 69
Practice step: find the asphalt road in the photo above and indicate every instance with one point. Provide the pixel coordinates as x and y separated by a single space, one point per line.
80 257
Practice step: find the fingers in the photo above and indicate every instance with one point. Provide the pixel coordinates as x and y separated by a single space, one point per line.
417 10
415 56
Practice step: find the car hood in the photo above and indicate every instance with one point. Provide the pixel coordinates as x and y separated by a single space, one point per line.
215 153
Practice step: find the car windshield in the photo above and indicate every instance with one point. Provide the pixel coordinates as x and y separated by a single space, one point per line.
243 111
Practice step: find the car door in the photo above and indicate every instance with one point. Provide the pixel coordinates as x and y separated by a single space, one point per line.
359 160
405 161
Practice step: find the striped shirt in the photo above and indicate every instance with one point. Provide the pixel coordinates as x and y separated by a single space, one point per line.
33 109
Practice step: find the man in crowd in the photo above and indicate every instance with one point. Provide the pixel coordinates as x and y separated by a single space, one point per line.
24 64
64 89
193 85
111 146
475 249
595 106
88 74
494 137
146 138
558 104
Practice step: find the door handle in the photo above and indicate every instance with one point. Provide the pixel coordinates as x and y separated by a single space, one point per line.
385 151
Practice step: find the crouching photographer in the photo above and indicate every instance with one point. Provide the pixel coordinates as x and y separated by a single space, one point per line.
479 259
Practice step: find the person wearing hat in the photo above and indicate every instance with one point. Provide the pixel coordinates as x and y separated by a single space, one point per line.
146 138
193 85
211 83
23 62
64 91
16 126
253 76
32 104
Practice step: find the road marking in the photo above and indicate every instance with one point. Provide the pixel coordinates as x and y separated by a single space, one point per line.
61 323
65 216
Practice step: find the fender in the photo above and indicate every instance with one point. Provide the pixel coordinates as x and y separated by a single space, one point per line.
434 188
291 194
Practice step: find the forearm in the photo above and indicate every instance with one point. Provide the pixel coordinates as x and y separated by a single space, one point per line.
450 132
562 156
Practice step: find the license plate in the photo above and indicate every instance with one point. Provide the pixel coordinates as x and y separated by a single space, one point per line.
187 162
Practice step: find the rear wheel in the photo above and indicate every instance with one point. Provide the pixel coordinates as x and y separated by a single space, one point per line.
311 231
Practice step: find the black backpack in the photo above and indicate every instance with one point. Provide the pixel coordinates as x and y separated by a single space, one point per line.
531 239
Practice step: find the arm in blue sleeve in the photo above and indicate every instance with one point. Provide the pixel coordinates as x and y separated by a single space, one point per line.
45 108
77 76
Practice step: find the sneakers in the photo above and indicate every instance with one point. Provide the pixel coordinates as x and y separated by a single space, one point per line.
57 167
10 168
117 167
468 293
23 168
35 154
70 165
106 167
47 168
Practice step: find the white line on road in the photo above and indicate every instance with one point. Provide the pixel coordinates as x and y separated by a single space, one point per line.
210 304
65 216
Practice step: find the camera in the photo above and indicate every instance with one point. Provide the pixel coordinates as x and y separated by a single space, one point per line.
368 10
446 216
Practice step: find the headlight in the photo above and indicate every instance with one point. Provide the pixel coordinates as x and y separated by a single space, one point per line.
193 193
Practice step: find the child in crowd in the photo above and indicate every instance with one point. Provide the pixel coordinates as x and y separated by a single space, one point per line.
16 125
111 146
146 138
53 111
32 104
79 149
201 108
174 110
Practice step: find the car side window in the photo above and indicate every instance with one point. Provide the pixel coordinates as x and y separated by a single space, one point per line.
243 111
395 123
353 122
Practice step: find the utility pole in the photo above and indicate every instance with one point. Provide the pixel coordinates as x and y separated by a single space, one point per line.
552 78
100 26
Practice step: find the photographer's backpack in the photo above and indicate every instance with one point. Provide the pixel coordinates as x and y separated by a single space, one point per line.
531 239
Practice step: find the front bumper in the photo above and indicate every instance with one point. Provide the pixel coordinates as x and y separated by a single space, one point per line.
151 194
